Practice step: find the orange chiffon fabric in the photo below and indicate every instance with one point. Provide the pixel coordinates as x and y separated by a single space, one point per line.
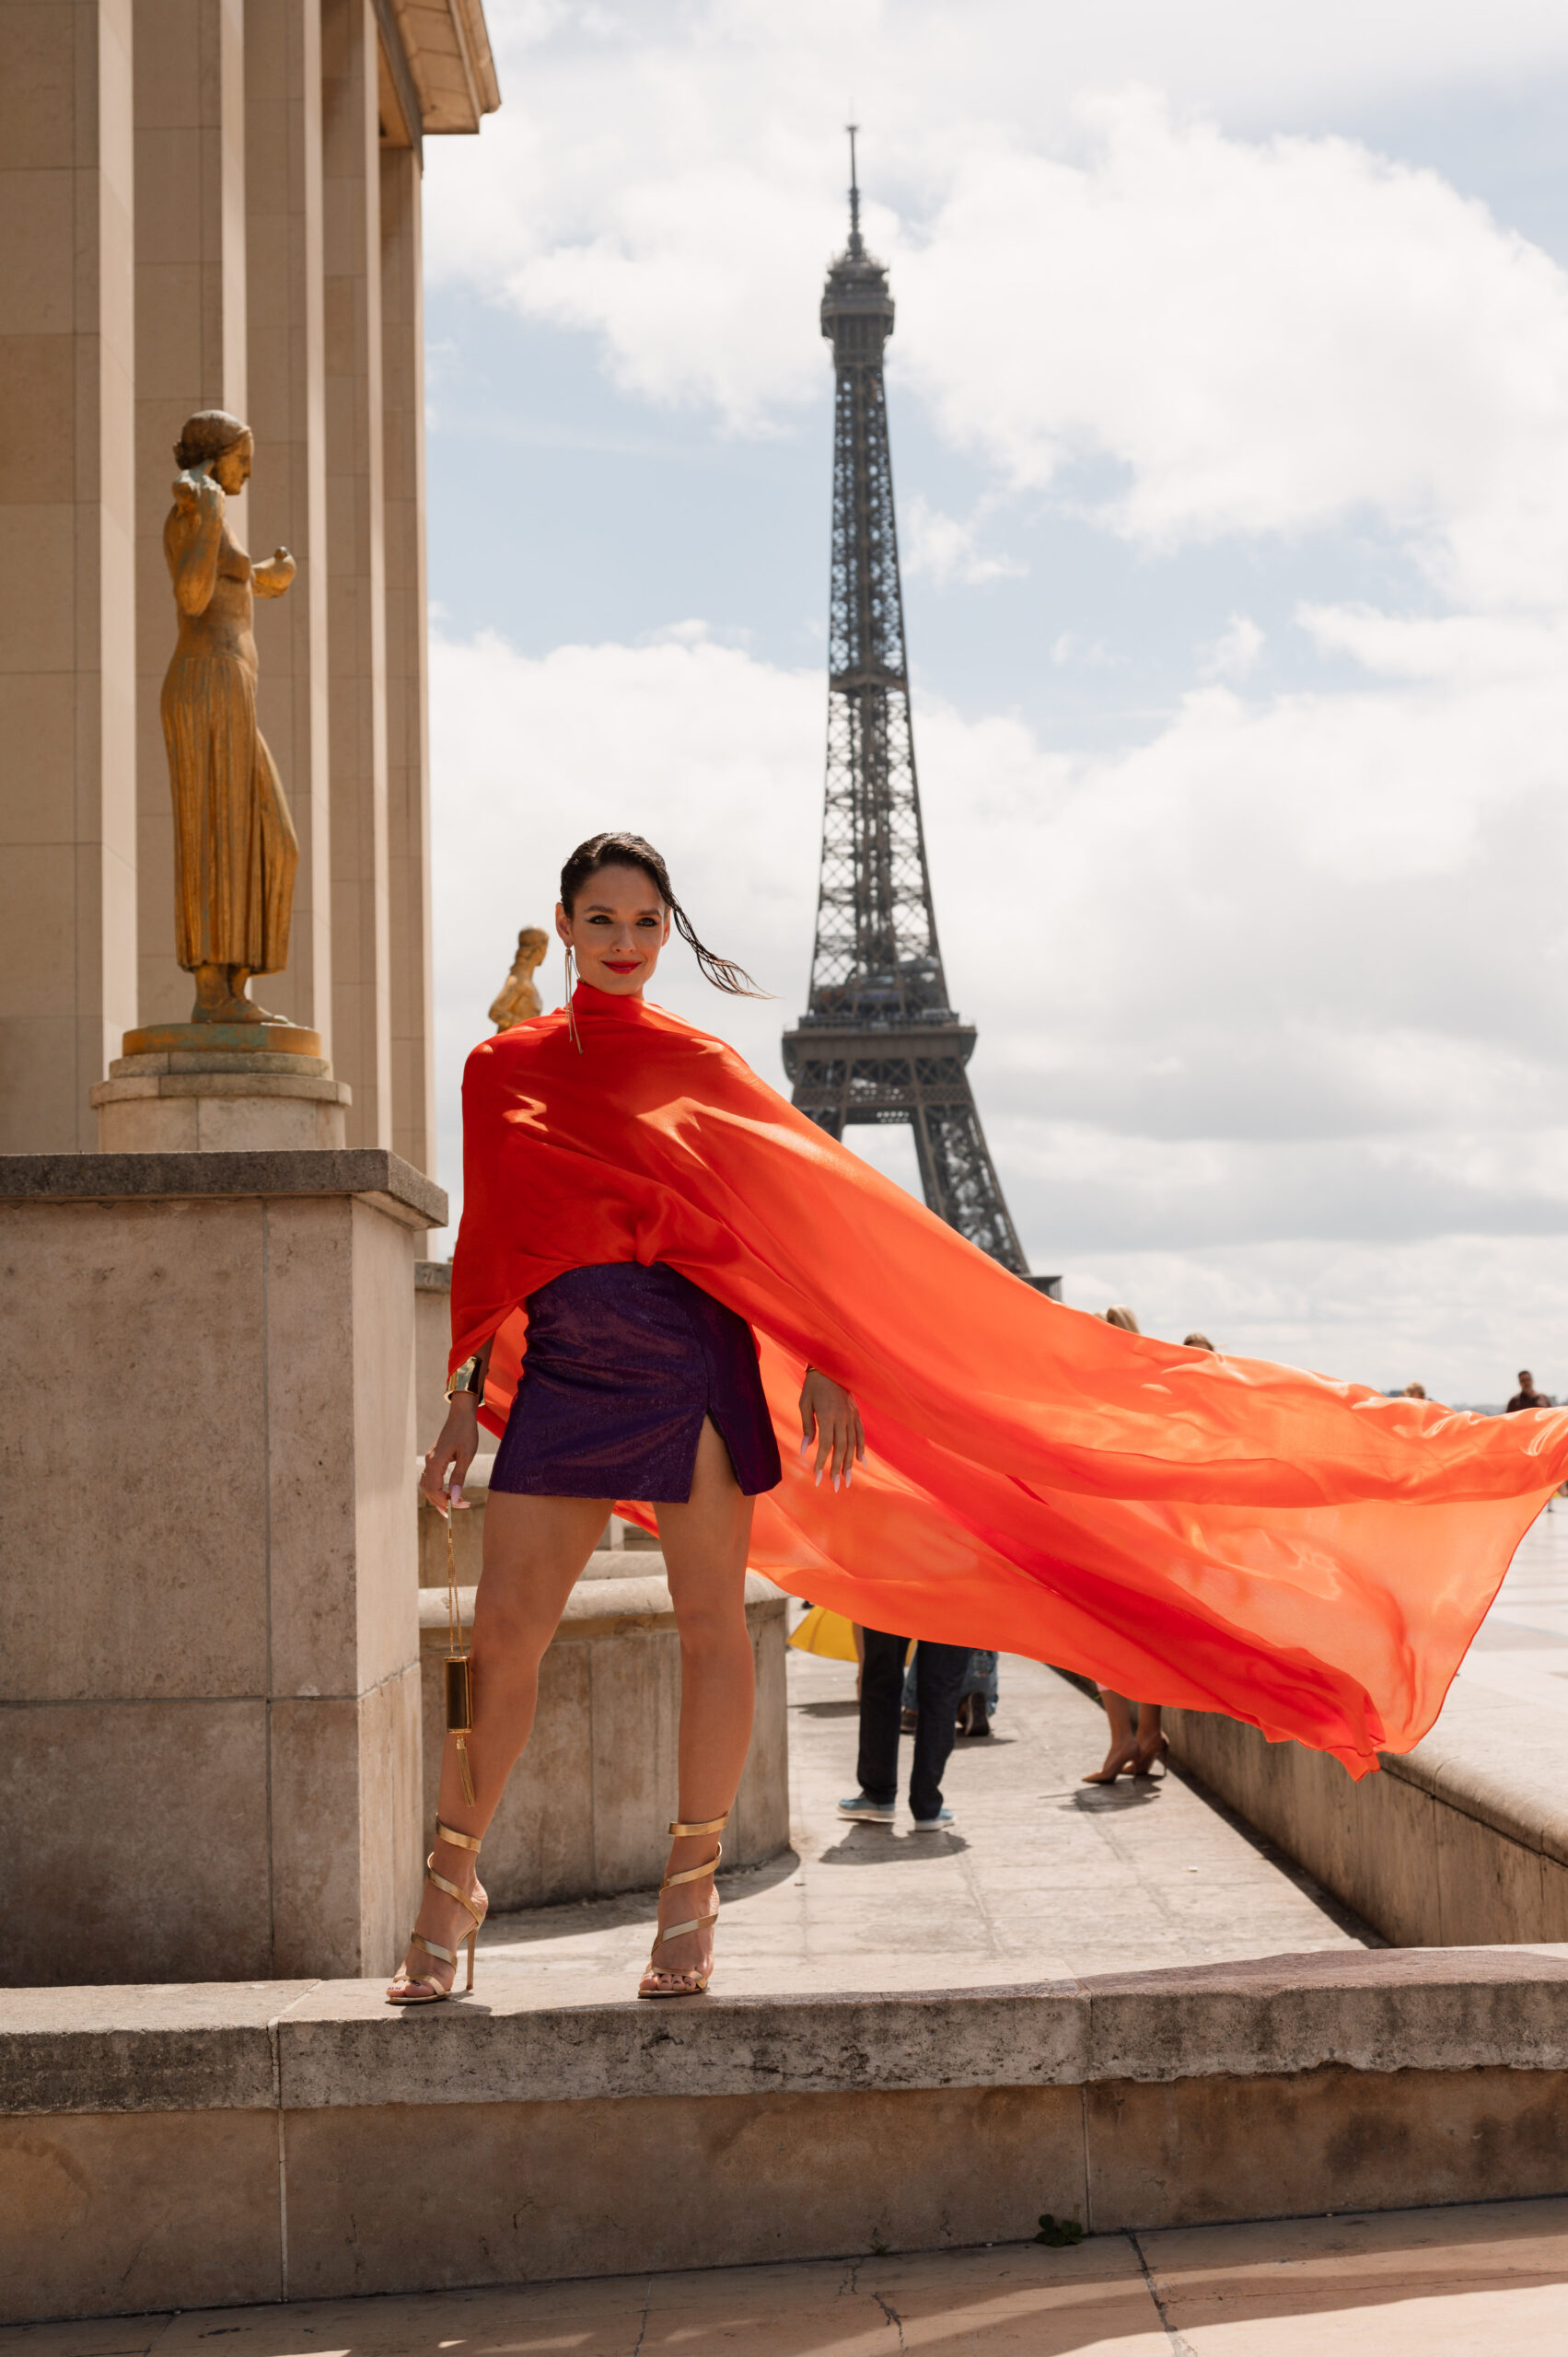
1220 1533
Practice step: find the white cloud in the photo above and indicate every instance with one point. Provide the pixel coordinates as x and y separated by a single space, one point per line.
1264 338
713 756
1271 1006
943 549
1261 335
1235 652
1071 650
1288 980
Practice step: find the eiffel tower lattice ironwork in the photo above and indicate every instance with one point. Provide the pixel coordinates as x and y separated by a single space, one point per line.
880 1040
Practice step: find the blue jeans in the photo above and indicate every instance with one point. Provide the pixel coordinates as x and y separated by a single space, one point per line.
940 1673
981 1677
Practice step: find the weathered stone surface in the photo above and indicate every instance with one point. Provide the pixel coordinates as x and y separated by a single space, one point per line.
337 2044
227 1066
210 1673
1194 2150
219 1113
1450 1844
340 2045
110 1177
174 2048
609 2186
106 2212
1387 2009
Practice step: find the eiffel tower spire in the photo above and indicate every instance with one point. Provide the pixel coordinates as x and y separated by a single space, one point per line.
880 1040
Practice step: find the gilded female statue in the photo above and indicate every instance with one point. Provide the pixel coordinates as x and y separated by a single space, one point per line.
235 848
517 999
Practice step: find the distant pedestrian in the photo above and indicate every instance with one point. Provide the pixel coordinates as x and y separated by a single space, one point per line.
1196 1342
978 1696
1526 1395
1413 1391
1134 1750
940 1673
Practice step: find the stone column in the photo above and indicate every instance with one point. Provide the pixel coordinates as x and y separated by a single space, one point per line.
68 581
288 499
408 725
190 354
357 565
209 1641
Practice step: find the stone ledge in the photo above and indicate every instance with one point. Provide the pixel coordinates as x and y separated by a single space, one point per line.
1487 1759
609 1603
213 1067
206 2047
1463 1840
369 1171
337 2044
127 1087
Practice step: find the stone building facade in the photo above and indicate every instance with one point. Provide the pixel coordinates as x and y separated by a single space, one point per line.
215 204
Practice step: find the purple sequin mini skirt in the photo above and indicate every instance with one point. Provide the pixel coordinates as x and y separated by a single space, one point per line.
623 1365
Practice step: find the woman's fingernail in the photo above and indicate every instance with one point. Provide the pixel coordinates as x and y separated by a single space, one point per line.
818 1483
835 1481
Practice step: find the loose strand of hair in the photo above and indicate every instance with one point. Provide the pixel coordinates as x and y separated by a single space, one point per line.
723 972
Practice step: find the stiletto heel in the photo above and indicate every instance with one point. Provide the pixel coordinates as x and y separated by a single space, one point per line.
404 1982
698 1980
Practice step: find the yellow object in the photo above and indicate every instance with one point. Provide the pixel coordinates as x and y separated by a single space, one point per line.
827 1633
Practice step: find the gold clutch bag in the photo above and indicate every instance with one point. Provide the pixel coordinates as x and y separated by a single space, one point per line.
458 1665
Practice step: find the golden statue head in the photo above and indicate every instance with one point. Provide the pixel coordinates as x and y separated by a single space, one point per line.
222 444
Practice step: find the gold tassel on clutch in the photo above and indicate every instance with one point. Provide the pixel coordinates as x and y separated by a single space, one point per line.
459 1666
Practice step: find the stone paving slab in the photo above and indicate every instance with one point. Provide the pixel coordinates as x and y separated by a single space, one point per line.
1042 1878
1448 2283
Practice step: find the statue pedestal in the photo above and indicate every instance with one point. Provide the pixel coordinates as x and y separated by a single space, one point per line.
220 1088
209 1640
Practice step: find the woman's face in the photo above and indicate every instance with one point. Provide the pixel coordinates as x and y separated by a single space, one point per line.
231 468
616 931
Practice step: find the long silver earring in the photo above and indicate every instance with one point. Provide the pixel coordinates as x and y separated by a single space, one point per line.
571 1010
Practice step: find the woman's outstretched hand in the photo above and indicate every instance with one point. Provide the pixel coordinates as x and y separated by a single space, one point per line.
448 1461
829 1417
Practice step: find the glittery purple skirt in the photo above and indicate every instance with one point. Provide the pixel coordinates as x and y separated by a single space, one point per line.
623 1365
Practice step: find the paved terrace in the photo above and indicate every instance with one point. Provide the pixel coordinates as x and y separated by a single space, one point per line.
1041 1878
1474 2281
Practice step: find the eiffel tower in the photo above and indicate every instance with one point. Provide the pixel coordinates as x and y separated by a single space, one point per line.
880 1040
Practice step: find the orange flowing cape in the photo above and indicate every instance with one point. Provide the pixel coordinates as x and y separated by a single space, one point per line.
1219 1533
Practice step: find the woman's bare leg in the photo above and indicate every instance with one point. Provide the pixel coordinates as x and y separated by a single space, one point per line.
1150 1738
535 1549
704 1545
1123 1742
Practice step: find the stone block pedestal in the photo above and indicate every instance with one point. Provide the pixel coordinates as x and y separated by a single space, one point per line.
209 1640
220 1088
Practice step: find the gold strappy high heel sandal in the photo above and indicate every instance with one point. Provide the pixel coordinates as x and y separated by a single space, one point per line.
698 1980
405 1983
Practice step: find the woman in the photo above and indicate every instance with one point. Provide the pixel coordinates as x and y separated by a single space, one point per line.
1301 1554
234 849
1135 1743
639 1385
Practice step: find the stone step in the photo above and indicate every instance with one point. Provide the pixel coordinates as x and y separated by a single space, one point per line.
205 2145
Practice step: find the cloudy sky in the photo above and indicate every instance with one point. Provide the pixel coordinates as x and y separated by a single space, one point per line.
1229 400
